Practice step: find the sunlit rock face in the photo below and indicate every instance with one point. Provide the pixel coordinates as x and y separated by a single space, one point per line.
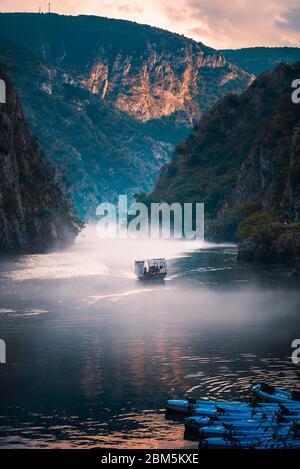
182 82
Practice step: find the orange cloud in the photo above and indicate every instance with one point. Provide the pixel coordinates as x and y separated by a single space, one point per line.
218 23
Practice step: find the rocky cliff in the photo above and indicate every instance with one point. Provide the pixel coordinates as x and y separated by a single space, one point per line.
34 215
97 152
161 82
144 71
243 161
271 178
109 98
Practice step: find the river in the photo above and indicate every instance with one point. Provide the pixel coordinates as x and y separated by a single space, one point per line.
93 353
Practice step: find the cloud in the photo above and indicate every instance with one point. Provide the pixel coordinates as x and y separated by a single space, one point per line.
216 23
238 23
290 20
127 8
176 14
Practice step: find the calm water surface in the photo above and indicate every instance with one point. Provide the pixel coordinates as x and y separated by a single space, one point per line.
93 354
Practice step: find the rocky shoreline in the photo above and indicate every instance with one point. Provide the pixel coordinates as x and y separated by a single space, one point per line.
274 243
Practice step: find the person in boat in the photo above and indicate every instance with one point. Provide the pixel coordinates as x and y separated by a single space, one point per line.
145 270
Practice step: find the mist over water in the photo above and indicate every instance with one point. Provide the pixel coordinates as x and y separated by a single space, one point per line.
93 353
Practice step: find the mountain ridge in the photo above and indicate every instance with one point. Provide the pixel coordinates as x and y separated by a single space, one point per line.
261 59
108 99
110 46
86 142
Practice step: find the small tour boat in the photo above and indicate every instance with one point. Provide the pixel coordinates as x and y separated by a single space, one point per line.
151 269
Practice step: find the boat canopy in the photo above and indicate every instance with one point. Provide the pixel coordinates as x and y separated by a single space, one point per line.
148 264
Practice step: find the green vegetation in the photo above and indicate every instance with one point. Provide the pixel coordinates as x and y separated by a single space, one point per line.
236 216
296 227
237 160
206 165
260 59
253 224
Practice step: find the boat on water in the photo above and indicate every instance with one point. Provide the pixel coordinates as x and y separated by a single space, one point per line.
250 413
266 393
232 414
220 431
262 423
187 406
238 422
250 443
151 269
196 407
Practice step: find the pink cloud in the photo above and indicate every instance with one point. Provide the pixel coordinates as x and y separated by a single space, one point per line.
218 23
127 8
240 23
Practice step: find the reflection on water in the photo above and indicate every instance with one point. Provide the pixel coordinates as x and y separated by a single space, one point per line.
93 353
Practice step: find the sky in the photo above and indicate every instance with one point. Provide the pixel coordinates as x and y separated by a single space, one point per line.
217 23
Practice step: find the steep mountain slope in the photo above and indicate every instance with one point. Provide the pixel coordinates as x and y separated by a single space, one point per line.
261 59
34 215
102 95
97 152
242 160
145 71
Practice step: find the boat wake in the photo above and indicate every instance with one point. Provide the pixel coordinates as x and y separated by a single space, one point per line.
117 296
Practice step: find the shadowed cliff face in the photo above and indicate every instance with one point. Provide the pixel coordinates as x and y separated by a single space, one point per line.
271 176
34 215
270 170
242 160
292 192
